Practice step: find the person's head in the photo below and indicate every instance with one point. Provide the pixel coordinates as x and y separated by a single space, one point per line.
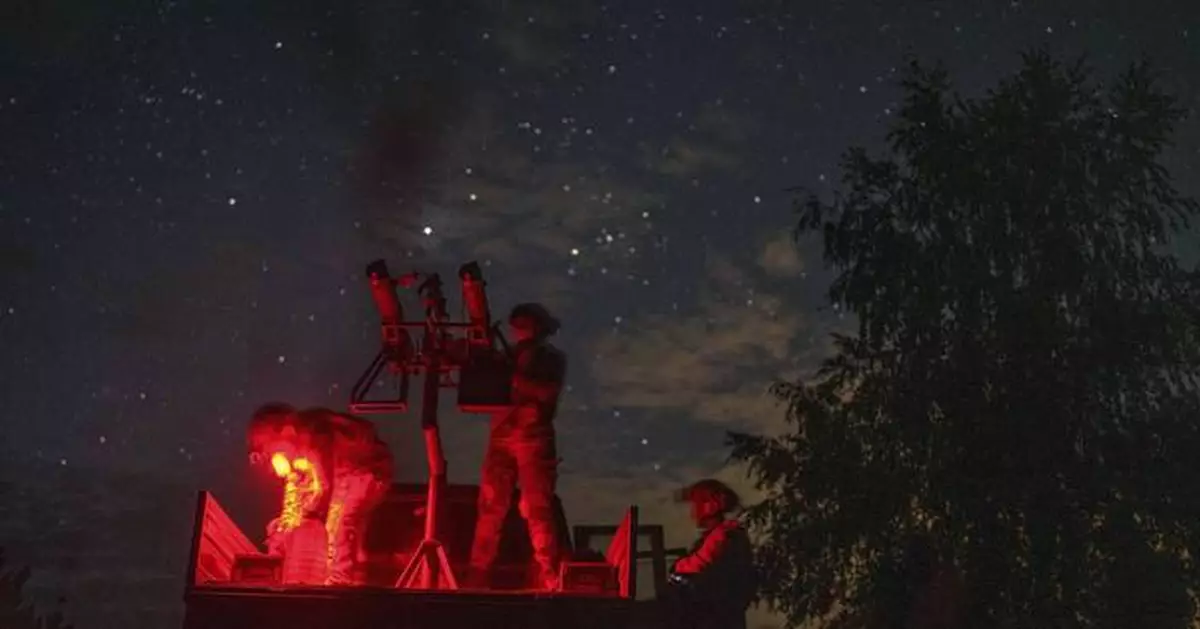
531 322
271 423
710 501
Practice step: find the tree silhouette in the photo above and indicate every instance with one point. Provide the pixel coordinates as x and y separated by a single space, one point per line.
1022 388
15 611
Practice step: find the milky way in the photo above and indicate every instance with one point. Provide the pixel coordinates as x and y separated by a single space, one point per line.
190 192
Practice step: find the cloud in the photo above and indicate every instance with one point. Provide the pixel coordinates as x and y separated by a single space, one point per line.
780 257
687 158
724 124
714 366
715 140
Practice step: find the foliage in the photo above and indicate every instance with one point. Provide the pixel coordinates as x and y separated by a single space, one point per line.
1022 388
15 611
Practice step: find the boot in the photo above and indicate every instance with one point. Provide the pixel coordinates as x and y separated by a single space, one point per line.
547 579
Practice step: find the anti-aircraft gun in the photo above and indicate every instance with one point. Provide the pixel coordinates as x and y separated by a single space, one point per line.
420 537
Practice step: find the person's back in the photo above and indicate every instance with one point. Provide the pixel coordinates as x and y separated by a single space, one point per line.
355 444
538 375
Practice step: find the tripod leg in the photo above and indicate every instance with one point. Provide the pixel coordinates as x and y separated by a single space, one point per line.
429 552
446 573
412 570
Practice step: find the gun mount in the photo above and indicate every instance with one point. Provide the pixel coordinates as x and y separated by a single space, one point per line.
472 347
468 347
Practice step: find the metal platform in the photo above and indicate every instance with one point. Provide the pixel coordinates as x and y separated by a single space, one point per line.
381 608
214 601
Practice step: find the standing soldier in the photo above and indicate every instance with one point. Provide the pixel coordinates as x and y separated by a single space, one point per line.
714 581
353 468
521 450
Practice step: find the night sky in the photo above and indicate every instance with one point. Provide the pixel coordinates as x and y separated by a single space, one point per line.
189 192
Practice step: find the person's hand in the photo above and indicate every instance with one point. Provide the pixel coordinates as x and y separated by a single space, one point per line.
275 538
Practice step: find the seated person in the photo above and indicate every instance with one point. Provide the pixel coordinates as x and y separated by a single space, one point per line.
713 584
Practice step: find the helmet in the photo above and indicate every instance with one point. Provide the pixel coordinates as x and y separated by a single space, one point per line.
265 426
716 496
272 415
543 321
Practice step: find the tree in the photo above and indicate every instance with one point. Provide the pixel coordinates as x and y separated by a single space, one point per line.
15 611
1022 386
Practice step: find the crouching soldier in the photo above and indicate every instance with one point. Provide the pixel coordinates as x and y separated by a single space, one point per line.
351 469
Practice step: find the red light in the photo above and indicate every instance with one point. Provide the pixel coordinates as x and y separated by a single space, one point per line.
475 300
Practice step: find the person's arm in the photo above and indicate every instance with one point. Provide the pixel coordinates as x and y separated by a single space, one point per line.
276 539
316 436
355 429
534 390
712 549
317 486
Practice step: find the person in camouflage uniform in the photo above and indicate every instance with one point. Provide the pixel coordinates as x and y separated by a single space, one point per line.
352 464
521 451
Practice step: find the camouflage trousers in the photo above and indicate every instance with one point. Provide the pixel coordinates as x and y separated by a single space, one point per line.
354 497
531 464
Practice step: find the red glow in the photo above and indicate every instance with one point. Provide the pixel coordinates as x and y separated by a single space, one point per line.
384 294
223 556
306 554
281 464
476 302
301 489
